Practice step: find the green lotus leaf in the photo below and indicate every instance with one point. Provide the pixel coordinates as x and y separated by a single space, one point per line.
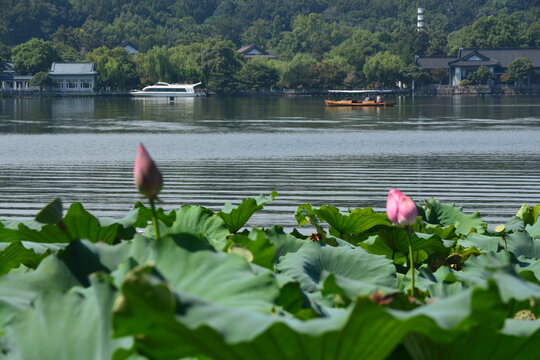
534 230
18 290
528 269
354 269
283 243
176 324
521 243
514 224
393 242
52 213
258 244
201 222
354 222
446 215
447 232
235 217
144 215
72 325
16 254
172 324
82 225
32 231
216 276
499 266
480 241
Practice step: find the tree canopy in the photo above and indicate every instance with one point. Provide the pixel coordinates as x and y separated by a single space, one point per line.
34 56
331 42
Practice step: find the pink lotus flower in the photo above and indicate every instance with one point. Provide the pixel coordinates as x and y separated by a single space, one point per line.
400 209
148 179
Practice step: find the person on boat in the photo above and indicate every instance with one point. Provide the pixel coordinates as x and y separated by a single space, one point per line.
379 99
367 98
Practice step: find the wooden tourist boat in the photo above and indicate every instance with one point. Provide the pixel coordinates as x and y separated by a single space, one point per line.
357 103
377 101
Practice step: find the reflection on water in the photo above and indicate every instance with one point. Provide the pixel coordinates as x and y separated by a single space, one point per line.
480 152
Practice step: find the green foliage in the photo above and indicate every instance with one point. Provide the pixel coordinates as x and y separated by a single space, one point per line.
439 75
356 49
489 32
116 68
312 35
258 74
327 75
296 72
383 69
34 56
219 62
203 291
480 76
520 70
43 80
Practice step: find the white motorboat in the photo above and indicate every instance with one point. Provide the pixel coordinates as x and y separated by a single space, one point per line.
163 89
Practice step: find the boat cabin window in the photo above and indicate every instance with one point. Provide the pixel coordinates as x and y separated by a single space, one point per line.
166 90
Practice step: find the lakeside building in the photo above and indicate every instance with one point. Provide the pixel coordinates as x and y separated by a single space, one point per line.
13 82
251 51
469 60
130 47
74 77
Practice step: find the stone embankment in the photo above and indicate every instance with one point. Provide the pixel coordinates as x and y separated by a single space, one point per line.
477 90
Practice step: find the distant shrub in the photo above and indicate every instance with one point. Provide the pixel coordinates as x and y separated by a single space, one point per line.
465 82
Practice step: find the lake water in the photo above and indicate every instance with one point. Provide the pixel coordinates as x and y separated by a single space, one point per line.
483 153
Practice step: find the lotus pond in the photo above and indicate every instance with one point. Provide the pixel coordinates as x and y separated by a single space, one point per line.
75 286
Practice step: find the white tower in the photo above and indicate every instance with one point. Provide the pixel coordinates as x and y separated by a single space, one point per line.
420 23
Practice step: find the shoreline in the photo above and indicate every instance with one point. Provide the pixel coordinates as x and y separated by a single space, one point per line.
428 90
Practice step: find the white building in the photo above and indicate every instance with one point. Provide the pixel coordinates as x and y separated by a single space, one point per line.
74 77
12 82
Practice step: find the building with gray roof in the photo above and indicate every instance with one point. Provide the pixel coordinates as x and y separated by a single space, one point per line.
74 77
469 60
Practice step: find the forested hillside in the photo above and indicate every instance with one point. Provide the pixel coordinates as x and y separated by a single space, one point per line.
339 37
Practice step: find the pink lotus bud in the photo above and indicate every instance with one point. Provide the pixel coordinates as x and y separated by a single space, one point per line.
400 209
148 179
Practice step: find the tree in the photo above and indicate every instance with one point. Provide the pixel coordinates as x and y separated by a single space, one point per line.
327 75
521 70
116 68
356 49
312 35
219 62
258 33
480 76
414 73
489 32
43 80
296 73
34 56
184 66
154 65
383 69
439 75
258 74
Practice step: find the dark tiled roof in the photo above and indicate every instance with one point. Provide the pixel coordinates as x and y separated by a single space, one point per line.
474 63
505 56
126 43
490 57
85 68
432 62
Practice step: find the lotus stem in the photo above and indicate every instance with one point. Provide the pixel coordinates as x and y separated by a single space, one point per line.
411 263
154 216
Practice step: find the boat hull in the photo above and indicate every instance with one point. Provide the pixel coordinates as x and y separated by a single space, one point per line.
164 94
357 103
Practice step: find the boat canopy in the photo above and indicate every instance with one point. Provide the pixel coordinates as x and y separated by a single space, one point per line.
372 91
